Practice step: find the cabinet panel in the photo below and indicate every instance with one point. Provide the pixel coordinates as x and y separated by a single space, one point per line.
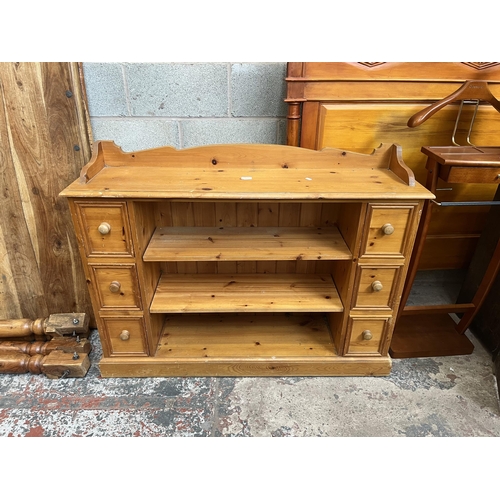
105 229
200 293
366 335
387 233
116 286
124 336
375 287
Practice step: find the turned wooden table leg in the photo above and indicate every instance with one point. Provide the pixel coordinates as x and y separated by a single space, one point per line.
22 328
42 328
62 356
57 364
57 344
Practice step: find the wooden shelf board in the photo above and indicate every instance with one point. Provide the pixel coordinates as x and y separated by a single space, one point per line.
419 336
200 293
247 183
248 336
246 243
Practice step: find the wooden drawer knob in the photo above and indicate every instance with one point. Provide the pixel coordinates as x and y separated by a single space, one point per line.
125 335
388 228
104 228
367 335
114 286
377 286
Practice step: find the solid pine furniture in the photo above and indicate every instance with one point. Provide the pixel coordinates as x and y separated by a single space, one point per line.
239 260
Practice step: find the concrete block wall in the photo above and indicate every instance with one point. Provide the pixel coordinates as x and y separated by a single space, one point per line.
147 105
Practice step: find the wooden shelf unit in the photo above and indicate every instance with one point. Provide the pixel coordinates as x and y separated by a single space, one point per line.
202 293
243 243
245 260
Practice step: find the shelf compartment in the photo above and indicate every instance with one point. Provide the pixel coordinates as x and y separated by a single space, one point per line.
246 336
201 293
246 243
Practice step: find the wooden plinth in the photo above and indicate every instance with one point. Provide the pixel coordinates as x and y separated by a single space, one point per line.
419 336
244 367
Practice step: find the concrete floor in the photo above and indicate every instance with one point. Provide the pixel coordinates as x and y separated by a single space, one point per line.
447 396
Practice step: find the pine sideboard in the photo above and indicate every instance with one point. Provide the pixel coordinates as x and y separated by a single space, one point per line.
245 260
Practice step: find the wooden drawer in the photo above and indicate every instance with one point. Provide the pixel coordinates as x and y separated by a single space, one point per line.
375 287
105 229
387 234
366 335
124 337
116 286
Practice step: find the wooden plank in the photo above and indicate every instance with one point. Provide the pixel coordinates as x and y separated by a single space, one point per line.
436 309
490 175
44 145
310 216
427 74
245 293
268 216
447 251
204 215
256 243
247 217
21 286
163 217
305 183
378 91
242 367
183 215
309 130
225 215
266 335
289 216
224 158
428 335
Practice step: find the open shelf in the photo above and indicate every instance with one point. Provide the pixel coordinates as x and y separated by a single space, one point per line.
229 345
246 243
200 293
245 335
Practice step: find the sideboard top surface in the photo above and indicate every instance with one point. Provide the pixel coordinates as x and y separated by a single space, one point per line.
246 172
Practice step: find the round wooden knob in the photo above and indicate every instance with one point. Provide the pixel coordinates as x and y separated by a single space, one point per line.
125 335
114 286
367 335
104 228
377 286
388 228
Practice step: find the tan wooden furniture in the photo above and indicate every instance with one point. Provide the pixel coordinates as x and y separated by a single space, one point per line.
238 260
429 330
358 105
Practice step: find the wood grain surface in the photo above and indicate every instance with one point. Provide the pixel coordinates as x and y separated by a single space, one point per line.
43 145
200 293
264 243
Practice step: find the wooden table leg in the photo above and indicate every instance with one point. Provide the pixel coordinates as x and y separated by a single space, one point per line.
57 364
